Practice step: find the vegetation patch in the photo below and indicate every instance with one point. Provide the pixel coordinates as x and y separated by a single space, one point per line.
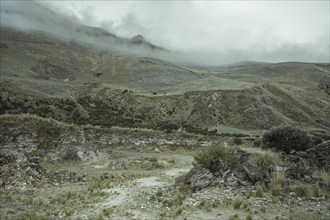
286 139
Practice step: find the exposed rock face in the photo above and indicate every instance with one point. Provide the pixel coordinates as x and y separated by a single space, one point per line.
303 163
21 171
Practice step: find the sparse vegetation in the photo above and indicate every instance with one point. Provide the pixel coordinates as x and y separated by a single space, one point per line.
286 139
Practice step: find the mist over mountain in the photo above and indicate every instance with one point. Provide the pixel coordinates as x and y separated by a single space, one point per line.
189 34
31 16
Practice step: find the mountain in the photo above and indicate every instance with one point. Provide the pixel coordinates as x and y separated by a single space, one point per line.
86 75
27 16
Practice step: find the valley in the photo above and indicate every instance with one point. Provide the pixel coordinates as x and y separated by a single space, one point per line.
99 126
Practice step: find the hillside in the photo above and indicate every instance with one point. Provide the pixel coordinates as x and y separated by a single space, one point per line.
76 82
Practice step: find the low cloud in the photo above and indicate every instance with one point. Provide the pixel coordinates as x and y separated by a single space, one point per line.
213 32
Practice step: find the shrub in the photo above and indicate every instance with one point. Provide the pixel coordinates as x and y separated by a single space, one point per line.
215 158
286 138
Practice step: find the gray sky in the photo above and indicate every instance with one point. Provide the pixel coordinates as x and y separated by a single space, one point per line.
215 32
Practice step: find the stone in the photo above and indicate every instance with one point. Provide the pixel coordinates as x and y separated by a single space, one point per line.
201 179
232 181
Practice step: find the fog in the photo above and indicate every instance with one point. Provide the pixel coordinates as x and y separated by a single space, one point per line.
200 32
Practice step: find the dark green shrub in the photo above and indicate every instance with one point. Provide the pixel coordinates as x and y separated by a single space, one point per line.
286 138
216 158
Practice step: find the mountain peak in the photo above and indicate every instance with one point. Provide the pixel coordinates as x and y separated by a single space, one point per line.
137 38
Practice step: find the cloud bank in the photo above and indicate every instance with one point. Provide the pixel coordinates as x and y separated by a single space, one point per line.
214 32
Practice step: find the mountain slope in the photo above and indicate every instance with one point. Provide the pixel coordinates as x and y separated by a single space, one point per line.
80 83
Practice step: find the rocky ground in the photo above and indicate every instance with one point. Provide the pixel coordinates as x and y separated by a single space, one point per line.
143 174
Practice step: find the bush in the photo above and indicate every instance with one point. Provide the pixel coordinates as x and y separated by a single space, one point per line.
286 138
216 158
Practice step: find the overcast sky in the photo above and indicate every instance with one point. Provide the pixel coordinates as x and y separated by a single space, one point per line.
222 30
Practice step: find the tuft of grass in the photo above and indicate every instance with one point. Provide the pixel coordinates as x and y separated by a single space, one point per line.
107 212
202 203
183 187
237 203
293 201
249 217
265 160
317 191
176 201
324 176
302 190
259 191
159 193
248 193
179 211
275 189
277 183
100 217
212 157
233 217
263 209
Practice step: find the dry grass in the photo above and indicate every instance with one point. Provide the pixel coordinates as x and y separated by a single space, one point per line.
237 203
259 191
277 183
279 178
324 176
302 190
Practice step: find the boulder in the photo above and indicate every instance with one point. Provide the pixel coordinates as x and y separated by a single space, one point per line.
201 179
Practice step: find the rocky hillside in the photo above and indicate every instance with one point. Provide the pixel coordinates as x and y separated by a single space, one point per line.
75 82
